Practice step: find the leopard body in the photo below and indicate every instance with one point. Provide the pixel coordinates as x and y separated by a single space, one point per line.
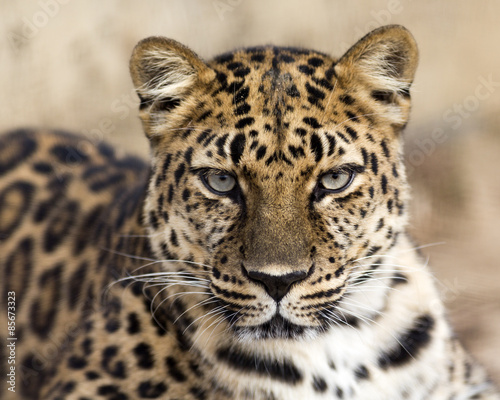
260 254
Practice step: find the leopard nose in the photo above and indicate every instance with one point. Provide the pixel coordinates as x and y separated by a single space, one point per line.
277 286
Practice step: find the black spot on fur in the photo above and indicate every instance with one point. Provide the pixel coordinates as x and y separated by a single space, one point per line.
112 325
229 294
364 153
316 147
383 96
174 370
330 73
351 132
315 94
144 356
166 104
301 132
243 109
220 143
75 285
75 362
241 72
374 163
315 61
201 137
331 144
361 373
188 155
395 173
15 148
409 344
44 308
115 368
352 117
173 238
179 172
306 70
151 390
244 122
204 116
261 152
399 278
92 375
322 294
346 99
43 168
380 225
343 137
18 267
313 122
60 225
134 325
385 149
283 370
153 220
257 57
88 229
296 152
224 58
234 65
237 147
15 201
383 184
292 91
70 155
319 384
105 181
33 375
108 390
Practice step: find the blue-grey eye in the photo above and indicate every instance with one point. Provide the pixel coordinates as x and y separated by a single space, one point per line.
337 181
220 182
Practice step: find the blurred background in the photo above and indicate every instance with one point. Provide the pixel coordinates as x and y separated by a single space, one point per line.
64 64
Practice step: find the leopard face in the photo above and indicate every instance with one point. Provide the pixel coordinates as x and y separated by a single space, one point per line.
277 175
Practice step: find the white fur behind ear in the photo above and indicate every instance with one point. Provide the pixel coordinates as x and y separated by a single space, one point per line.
172 75
379 64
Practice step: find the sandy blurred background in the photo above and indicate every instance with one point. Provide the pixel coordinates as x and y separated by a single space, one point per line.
64 64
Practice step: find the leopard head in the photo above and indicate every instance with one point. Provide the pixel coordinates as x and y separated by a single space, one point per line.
276 172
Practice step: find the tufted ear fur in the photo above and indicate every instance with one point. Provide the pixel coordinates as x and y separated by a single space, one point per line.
384 61
165 74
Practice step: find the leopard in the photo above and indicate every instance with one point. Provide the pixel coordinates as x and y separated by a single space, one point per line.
261 252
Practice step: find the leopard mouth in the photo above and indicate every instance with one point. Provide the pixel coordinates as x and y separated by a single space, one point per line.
276 328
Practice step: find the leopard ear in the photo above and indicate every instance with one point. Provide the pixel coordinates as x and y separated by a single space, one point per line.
384 62
165 74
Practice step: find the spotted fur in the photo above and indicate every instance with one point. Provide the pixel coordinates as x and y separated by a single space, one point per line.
262 253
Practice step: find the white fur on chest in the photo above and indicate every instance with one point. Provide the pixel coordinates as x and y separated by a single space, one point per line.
331 367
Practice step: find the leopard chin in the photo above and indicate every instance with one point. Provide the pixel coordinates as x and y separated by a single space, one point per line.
278 327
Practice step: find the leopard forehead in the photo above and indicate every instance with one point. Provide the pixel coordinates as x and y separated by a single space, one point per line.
277 113
277 84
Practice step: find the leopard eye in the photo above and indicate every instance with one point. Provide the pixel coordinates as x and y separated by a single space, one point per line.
220 183
336 181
